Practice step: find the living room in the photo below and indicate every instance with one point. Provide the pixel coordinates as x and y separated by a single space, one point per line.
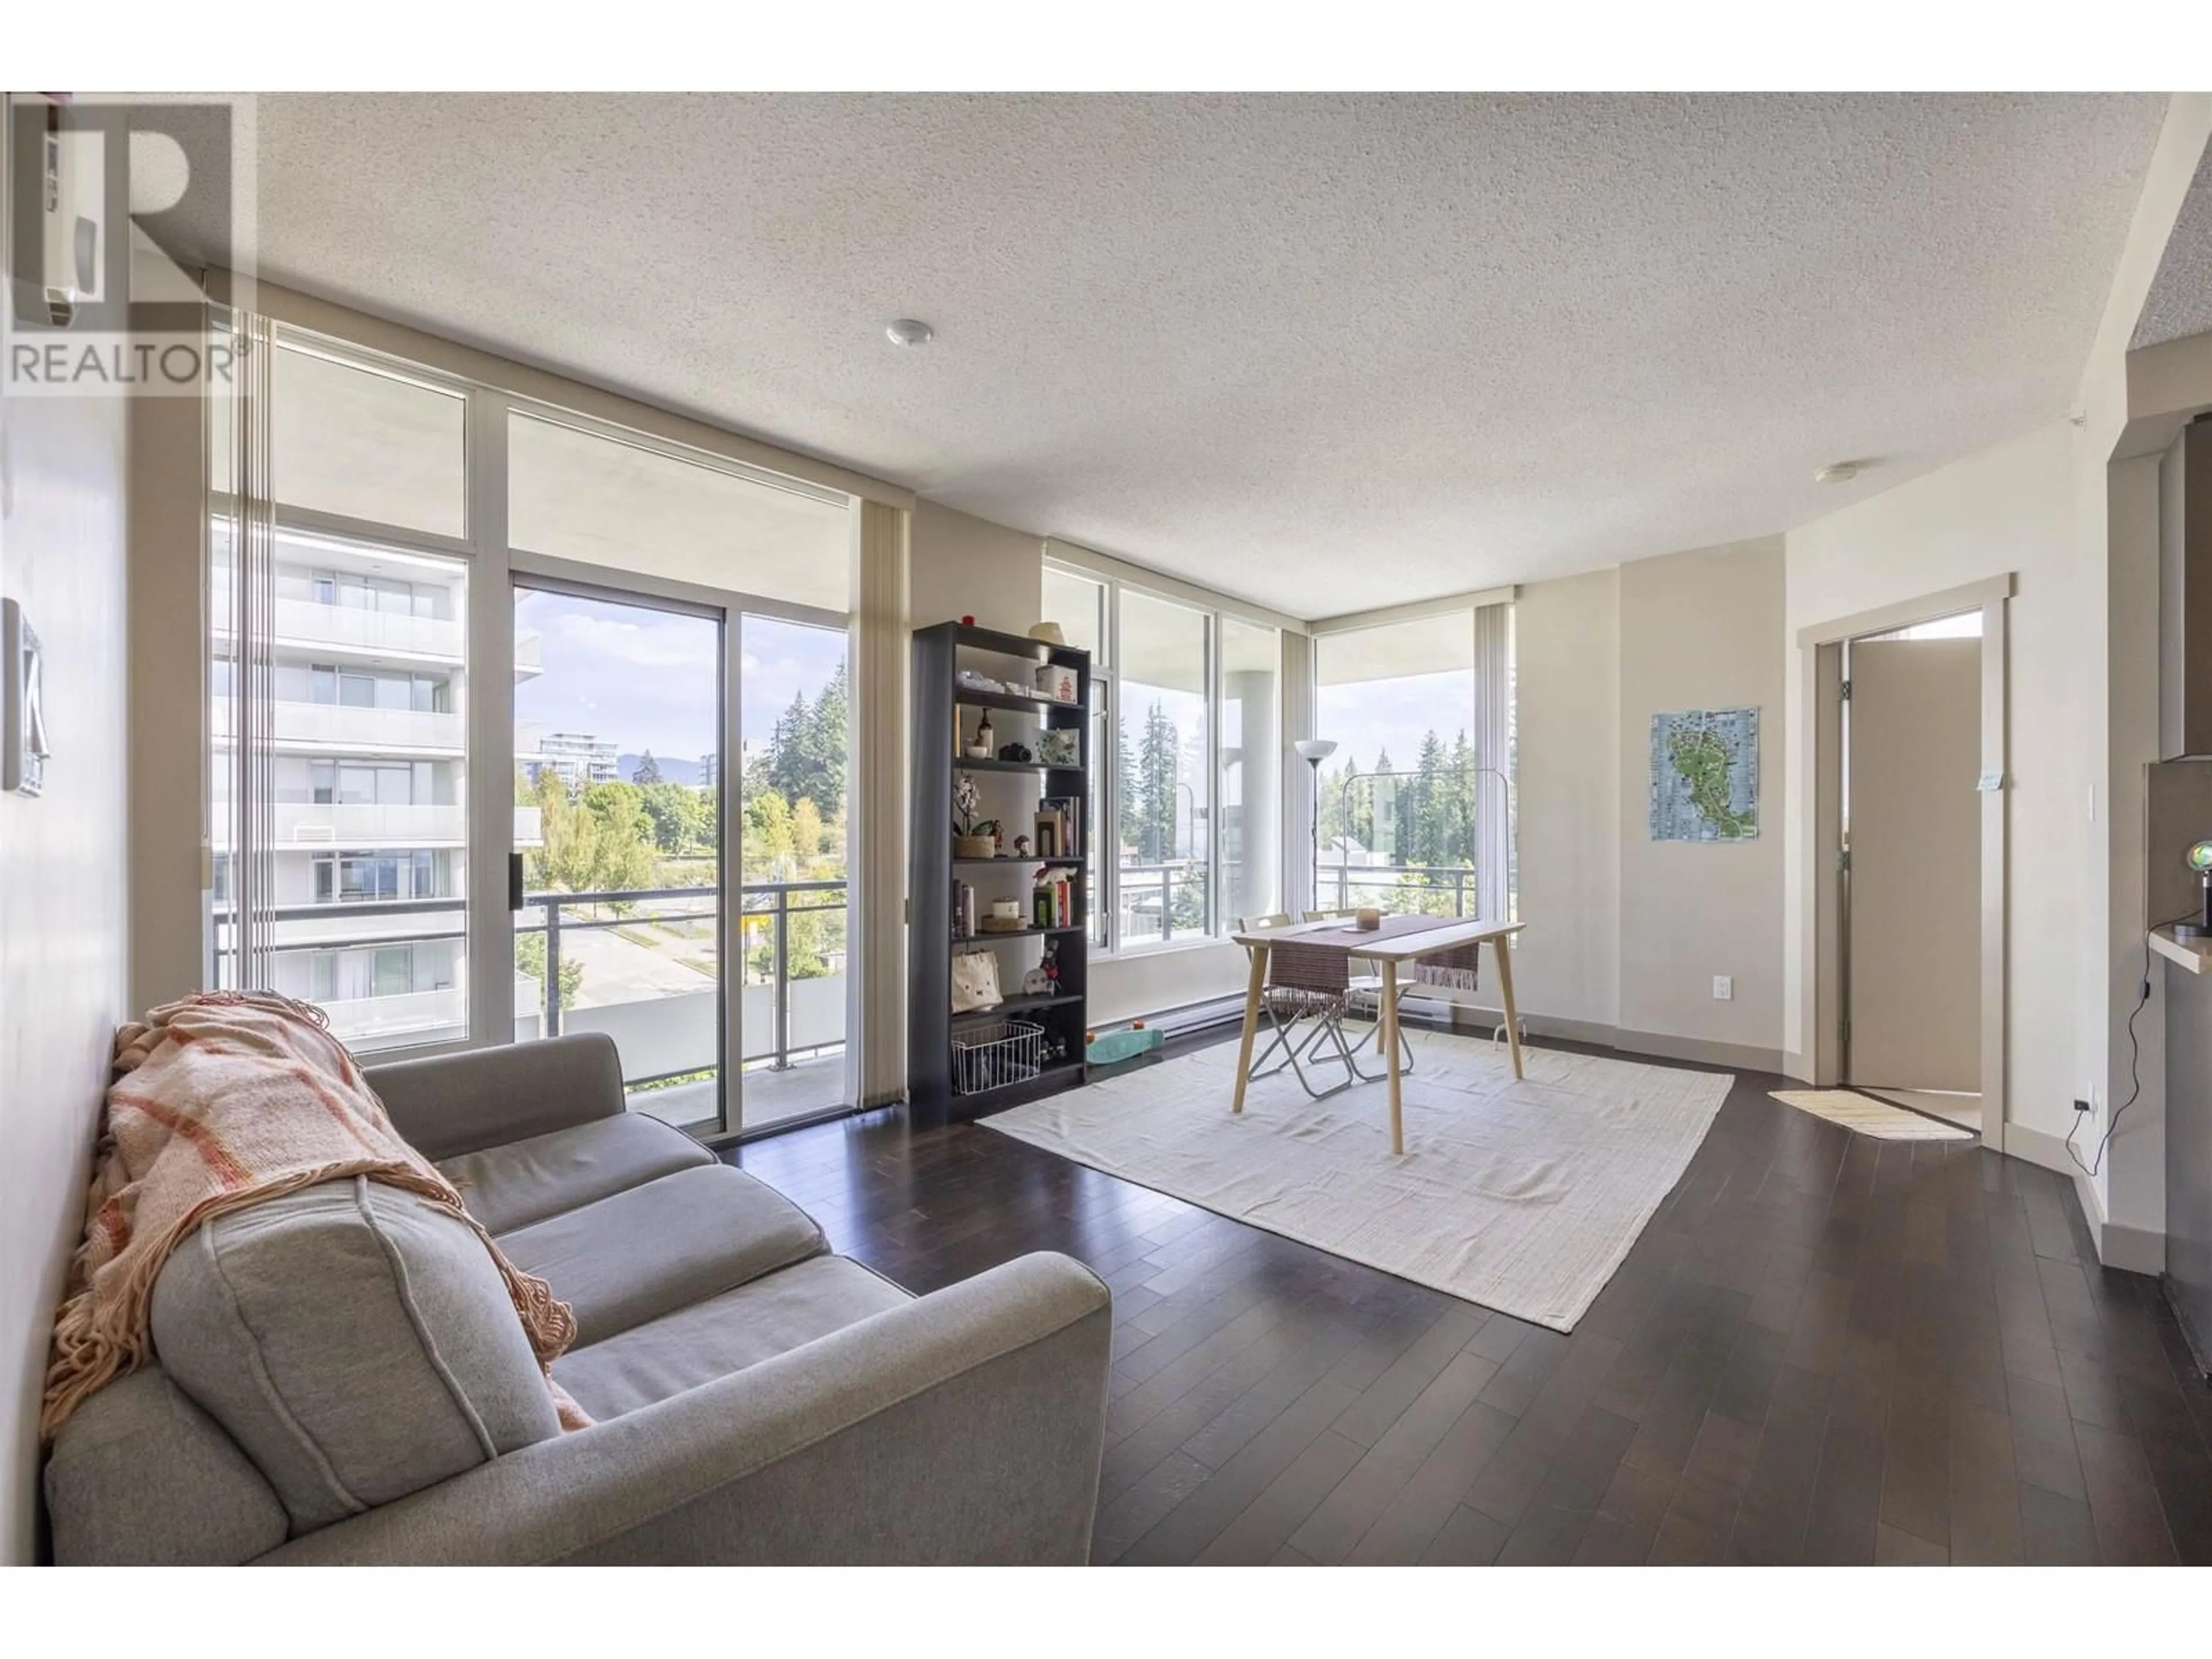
805 828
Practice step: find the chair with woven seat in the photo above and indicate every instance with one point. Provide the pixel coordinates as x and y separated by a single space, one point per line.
1363 1000
1313 991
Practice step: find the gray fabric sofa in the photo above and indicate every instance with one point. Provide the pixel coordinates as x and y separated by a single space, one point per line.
340 1376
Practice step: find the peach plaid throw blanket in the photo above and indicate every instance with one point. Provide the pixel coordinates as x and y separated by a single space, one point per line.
219 1102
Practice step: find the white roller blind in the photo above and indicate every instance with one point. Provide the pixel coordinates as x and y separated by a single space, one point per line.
574 494
1395 651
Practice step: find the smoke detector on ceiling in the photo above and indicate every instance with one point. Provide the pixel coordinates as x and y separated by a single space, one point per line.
1840 472
909 331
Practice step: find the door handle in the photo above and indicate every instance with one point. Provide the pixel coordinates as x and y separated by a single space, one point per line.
515 881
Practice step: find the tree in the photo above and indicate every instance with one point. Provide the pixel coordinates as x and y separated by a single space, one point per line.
1156 788
1422 840
680 815
624 860
648 770
806 830
530 958
568 859
1130 830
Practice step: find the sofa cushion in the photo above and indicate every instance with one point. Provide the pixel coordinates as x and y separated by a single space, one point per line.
662 1246
525 1180
356 1343
711 1339
140 1476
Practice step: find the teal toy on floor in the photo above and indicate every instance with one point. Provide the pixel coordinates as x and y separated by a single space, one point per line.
1112 1048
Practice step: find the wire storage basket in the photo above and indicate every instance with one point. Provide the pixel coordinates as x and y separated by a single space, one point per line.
992 1055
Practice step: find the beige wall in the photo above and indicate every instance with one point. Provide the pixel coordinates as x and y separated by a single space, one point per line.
961 566
1701 631
63 881
1625 935
1566 665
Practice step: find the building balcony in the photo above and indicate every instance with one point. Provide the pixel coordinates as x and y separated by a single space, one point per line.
307 825
346 632
335 729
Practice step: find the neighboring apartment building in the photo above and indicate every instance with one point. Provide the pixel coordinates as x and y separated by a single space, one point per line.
578 758
366 756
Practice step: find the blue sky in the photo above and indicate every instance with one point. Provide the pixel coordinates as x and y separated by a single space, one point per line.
646 678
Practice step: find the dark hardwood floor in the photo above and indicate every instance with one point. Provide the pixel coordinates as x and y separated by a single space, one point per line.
1824 1348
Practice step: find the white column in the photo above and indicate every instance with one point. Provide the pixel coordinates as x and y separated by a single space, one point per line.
1298 776
875 1010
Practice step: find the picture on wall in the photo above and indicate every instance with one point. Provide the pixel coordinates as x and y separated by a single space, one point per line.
1705 775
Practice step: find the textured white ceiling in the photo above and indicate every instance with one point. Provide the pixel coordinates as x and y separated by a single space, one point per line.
2180 299
1323 351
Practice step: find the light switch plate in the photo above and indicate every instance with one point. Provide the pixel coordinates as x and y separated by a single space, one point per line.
1723 988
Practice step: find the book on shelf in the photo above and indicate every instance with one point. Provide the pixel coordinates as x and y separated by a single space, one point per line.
963 910
1053 900
1056 835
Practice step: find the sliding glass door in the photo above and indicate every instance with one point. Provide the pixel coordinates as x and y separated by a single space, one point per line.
519 724
617 857
796 806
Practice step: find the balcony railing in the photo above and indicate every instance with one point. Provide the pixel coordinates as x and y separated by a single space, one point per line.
314 726
786 1014
790 1009
316 826
1152 894
1434 890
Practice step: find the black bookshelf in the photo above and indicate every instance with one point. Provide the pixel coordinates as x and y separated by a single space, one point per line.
942 711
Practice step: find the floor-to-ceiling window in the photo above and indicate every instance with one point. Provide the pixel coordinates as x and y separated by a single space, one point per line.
1164 795
338 683
1185 752
1414 800
670 632
711 681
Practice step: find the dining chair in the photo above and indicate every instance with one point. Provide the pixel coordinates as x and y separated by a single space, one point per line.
1300 987
1363 1000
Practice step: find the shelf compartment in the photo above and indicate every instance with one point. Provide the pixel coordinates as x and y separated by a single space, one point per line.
1020 1005
960 765
980 937
967 697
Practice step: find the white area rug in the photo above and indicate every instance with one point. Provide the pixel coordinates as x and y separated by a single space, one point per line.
1523 1196
1864 1115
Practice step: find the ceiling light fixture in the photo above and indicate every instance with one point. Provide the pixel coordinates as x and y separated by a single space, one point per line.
909 331
1841 472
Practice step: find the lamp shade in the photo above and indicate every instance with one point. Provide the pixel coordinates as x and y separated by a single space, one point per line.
1315 750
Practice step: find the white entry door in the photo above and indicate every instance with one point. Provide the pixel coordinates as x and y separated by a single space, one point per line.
1913 835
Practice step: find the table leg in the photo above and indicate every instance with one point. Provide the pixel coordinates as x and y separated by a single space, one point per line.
1391 1045
1501 949
1252 990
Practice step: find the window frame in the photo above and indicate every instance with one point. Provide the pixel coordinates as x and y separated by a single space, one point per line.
1105 756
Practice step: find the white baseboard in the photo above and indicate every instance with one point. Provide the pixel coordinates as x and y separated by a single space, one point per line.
2134 1249
1659 1045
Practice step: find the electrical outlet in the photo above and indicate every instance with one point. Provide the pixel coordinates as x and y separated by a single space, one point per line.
2081 1106
1724 988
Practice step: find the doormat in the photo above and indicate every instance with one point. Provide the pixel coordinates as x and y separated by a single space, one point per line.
1864 1115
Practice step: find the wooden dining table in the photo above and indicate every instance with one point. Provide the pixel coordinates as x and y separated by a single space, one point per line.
1391 952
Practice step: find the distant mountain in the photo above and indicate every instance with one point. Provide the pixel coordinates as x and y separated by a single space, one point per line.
673 770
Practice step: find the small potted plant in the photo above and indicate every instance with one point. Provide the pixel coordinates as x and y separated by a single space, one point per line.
972 837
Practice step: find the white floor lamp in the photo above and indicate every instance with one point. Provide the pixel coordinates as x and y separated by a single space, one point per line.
1314 752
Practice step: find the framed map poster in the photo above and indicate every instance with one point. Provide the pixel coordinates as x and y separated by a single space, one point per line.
1705 775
